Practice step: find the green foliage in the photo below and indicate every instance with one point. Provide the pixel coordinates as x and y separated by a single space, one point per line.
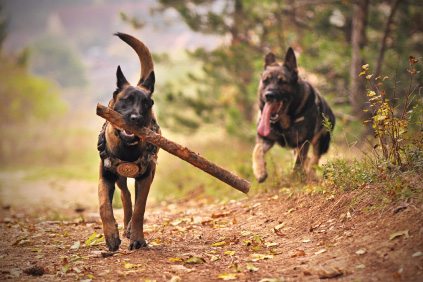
395 163
390 121
320 32
25 97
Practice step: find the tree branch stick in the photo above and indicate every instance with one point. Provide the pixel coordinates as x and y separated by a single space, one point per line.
175 149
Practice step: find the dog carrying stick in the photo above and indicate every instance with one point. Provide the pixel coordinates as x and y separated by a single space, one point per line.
175 149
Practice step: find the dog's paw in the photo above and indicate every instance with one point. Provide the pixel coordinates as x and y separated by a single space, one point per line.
127 231
113 243
261 179
136 244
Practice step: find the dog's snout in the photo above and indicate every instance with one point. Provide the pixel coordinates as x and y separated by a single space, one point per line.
135 118
269 95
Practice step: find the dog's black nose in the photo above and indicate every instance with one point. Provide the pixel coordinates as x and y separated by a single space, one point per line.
269 95
135 118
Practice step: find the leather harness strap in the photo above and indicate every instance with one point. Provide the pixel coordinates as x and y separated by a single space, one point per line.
124 168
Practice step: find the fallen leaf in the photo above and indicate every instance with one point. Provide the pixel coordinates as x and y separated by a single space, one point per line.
214 258
175 259
89 240
257 238
130 265
290 210
278 232
156 242
230 253
299 253
360 266
219 244
194 260
223 214
76 245
226 276
176 222
399 233
335 273
175 279
270 244
261 256
416 254
307 273
271 280
245 233
306 240
361 252
251 267
277 227
320 252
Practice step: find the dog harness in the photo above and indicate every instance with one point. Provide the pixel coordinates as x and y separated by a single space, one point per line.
125 168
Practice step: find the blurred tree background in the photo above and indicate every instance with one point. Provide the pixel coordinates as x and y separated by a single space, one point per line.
61 60
333 40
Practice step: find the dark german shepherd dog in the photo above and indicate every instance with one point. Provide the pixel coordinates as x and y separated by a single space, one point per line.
124 155
291 114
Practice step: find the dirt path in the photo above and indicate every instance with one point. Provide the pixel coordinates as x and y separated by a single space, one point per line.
272 237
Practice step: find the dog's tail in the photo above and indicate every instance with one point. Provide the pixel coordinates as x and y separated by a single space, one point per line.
147 65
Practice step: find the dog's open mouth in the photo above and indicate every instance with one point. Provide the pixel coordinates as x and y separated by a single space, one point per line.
128 138
270 114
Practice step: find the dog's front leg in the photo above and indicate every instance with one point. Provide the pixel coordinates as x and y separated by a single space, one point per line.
125 196
142 187
106 188
301 158
259 162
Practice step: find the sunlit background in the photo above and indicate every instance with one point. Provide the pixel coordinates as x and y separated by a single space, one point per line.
59 59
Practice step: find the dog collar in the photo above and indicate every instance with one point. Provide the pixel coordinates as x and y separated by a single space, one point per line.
125 168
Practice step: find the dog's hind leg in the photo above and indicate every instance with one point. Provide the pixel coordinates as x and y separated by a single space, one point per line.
301 157
259 162
142 188
106 188
125 196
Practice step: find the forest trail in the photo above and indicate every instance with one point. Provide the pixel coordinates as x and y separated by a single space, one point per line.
279 236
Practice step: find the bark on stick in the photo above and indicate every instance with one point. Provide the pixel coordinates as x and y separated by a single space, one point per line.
175 149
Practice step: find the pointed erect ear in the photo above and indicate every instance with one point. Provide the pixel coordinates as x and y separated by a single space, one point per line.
121 80
269 60
290 60
148 83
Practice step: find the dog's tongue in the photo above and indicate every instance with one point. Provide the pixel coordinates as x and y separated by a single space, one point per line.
264 125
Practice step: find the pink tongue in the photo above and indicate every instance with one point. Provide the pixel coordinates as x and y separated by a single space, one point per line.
264 125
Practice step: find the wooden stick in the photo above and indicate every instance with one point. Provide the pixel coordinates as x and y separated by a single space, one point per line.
175 149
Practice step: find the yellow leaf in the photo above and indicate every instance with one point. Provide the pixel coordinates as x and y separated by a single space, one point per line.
226 276
175 259
280 226
261 256
400 233
219 244
194 260
230 253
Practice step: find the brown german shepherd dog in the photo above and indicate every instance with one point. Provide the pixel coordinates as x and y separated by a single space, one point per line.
291 114
124 155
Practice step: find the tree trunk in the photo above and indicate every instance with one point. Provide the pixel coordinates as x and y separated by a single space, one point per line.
386 31
358 41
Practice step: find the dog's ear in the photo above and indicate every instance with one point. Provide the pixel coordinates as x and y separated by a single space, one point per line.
269 60
121 82
149 82
290 60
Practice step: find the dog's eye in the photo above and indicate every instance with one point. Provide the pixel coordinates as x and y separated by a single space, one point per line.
146 105
281 81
